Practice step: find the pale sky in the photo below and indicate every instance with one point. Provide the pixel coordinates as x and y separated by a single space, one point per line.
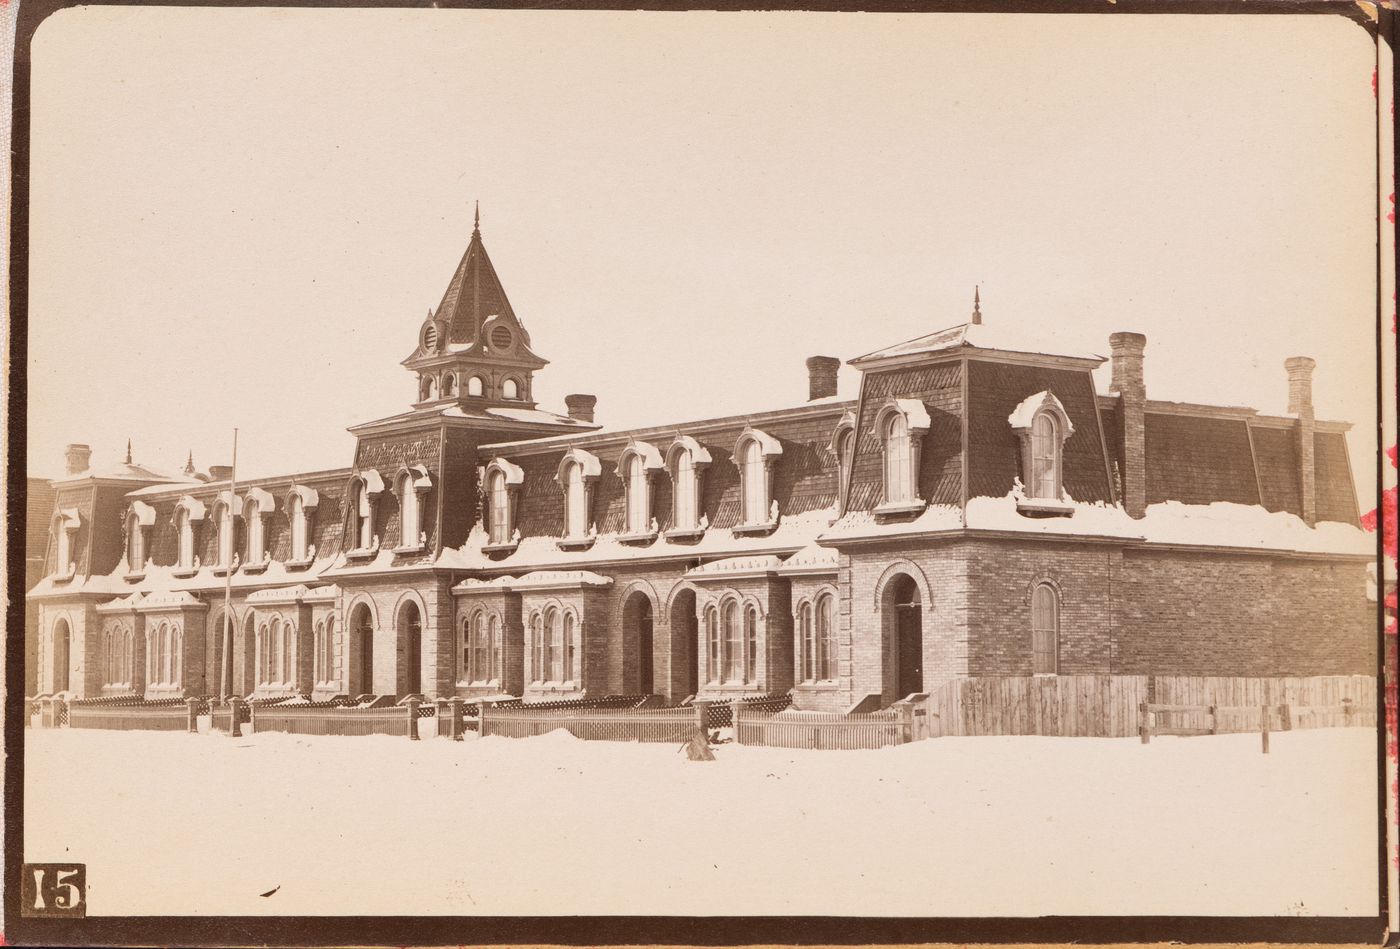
241 217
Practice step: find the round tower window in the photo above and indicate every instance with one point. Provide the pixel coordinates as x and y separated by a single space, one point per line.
501 337
430 337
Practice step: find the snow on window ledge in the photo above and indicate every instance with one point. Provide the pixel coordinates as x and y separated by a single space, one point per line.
576 543
135 576
183 572
685 533
641 537
504 547
261 565
896 508
742 530
1044 507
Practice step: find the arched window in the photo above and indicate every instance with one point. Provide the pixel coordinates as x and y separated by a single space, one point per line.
686 460
167 654
364 517
427 389
537 672
408 511
480 649
638 499
224 530
1042 425
576 502
755 454
1045 630
844 447
184 538
449 384
510 389
714 647
128 656
319 652
733 643
300 502
554 648
1045 456
257 505
806 644
578 471
898 424
826 638
475 386
755 485
65 526
570 647
494 668
503 479
136 525
750 645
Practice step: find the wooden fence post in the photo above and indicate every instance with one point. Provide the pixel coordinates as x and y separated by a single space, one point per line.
481 719
1286 713
906 722
235 714
454 717
412 705
1214 726
192 714
735 708
1346 712
1264 727
1144 723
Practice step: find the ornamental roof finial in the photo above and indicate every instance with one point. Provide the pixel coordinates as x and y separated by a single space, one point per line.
476 221
977 305
128 451
189 464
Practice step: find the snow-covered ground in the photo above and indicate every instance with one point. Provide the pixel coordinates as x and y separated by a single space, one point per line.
172 823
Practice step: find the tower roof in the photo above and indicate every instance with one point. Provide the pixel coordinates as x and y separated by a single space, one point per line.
474 294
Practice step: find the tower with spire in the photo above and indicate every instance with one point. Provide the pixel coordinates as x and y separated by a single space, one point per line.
473 349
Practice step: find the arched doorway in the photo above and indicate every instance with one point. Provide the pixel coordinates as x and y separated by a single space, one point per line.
903 610
62 638
685 646
637 638
361 651
411 639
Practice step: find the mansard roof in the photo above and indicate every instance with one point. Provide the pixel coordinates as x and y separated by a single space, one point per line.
982 336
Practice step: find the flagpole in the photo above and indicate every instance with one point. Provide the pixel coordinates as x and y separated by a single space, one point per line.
226 649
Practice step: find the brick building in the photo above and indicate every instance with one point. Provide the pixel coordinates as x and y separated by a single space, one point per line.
979 509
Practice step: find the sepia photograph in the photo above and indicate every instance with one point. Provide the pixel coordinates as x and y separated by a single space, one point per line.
567 464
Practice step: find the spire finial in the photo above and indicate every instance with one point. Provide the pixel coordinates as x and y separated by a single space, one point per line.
128 451
476 221
189 463
977 305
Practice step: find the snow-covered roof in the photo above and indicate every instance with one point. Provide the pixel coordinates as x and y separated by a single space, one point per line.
731 567
813 558
129 471
163 600
1023 414
534 580
978 336
279 594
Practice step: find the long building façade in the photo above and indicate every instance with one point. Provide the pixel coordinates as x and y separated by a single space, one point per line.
980 509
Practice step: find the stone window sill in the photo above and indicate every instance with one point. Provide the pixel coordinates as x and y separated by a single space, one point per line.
410 549
644 537
1043 507
135 577
685 533
66 575
261 565
182 573
295 564
896 508
361 553
222 571
742 530
502 548
575 543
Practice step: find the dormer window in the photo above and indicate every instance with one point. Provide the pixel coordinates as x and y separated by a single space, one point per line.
225 528
578 472
411 485
510 389
475 386
188 512
65 527
755 454
503 480
843 447
902 423
639 460
365 489
139 518
257 505
301 501
686 460
1042 425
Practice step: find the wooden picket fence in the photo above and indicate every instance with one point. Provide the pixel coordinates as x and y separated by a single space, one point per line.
1110 706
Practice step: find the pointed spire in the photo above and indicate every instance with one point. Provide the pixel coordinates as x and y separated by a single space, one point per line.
128 451
189 464
476 221
977 305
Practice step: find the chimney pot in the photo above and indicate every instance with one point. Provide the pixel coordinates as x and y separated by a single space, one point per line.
821 376
76 458
581 406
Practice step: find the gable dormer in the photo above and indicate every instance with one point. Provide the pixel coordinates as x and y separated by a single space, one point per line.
473 349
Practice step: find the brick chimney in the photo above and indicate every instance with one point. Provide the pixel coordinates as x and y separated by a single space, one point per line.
76 458
1300 403
821 376
581 406
1127 382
